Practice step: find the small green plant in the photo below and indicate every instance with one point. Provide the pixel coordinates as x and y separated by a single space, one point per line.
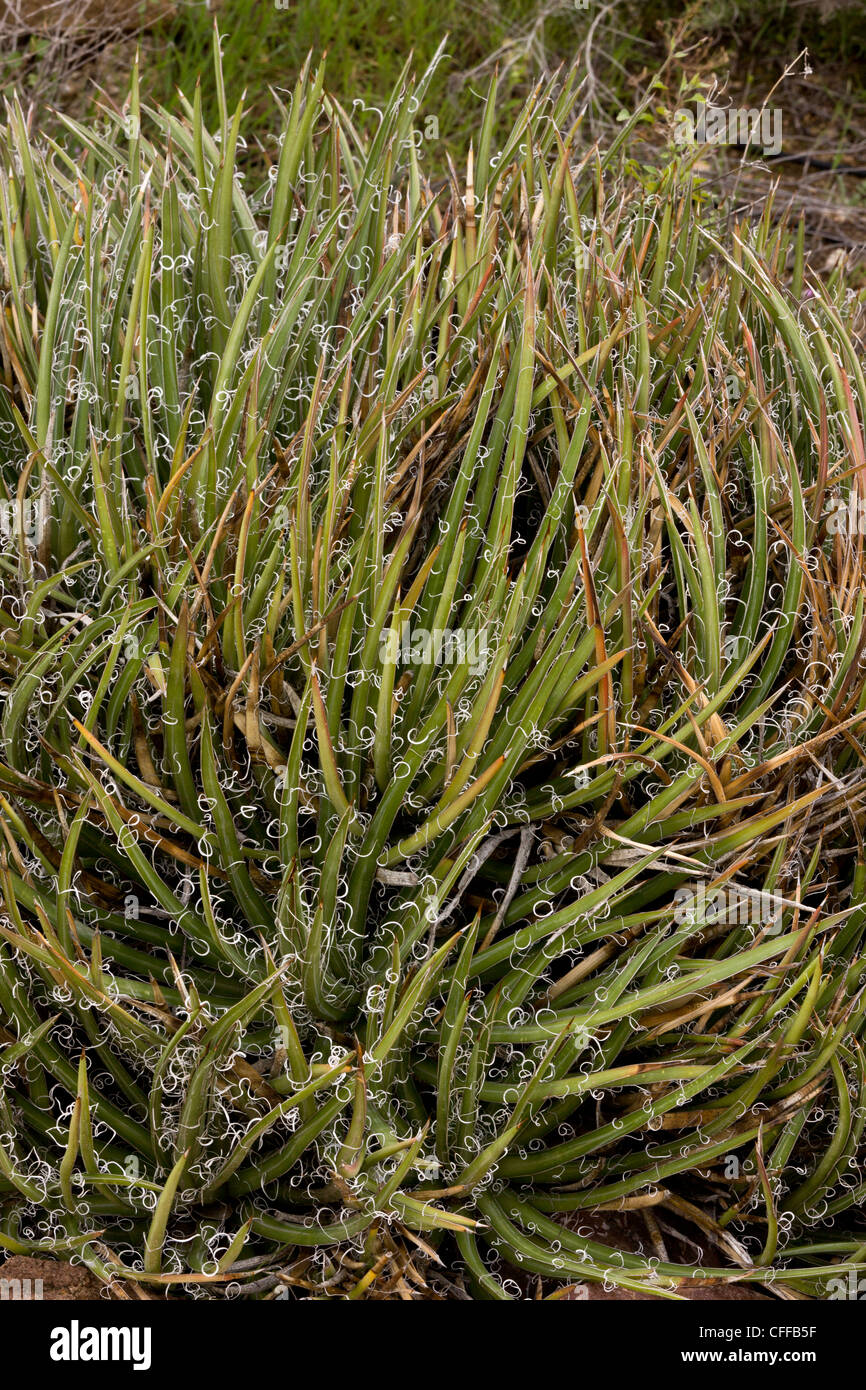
330 942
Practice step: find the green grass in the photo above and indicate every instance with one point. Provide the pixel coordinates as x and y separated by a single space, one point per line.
367 45
264 47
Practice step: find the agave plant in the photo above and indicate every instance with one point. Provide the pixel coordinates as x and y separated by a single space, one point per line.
420 610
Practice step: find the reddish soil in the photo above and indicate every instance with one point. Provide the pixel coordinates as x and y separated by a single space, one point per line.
624 1233
61 1282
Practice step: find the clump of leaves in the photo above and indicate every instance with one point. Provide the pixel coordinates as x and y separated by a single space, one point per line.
419 613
